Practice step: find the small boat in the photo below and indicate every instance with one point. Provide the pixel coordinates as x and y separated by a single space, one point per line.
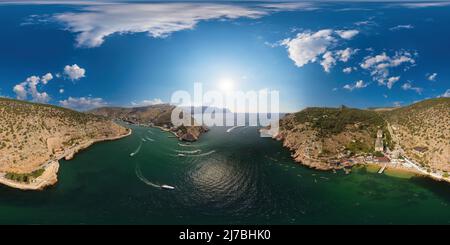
168 187
181 155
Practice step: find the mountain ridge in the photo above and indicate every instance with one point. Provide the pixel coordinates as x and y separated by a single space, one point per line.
153 116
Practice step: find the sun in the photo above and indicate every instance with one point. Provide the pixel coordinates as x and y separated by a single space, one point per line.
226 84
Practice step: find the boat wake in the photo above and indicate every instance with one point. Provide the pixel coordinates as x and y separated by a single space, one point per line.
143 179
137 150
192 153
185 145
148 182
149 139
203 154
189 152
232 128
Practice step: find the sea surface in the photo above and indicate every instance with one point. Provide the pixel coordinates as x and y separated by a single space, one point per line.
225 178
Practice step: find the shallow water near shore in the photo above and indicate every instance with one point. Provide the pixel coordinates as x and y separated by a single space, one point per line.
225 178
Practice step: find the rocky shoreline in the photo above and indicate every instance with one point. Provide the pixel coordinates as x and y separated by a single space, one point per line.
301 158
192 133
50 175
298 157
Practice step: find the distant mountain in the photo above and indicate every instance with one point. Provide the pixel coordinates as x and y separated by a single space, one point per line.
158 115
153 115
33 134
203 109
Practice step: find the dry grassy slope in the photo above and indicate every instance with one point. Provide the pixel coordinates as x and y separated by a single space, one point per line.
319 137
426 124
30 133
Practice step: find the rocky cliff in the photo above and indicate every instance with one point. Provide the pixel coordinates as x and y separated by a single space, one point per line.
324 138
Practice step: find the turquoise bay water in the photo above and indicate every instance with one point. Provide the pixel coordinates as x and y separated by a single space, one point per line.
237 178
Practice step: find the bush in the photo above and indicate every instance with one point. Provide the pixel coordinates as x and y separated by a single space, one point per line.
331 121
25 177
358 146
378 154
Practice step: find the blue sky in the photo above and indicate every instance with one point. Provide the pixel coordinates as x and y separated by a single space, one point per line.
83 55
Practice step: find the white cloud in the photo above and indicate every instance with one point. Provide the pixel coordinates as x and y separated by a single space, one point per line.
432 77
307 47
358 84
94 23
74 72
46 78
20 90
82 103
348 70
425 4
345 54
154 101
30 87
397 103
37 96
289 6
348 87
446 94
372 61
380 65
401 27
41 97
272 45
34 80
391 81
408 86
50 2
347 34
328 61
329 58
362 23
365 23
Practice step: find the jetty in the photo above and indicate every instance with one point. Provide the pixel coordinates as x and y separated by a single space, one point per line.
382 168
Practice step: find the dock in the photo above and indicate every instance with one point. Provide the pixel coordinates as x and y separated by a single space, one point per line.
382 169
